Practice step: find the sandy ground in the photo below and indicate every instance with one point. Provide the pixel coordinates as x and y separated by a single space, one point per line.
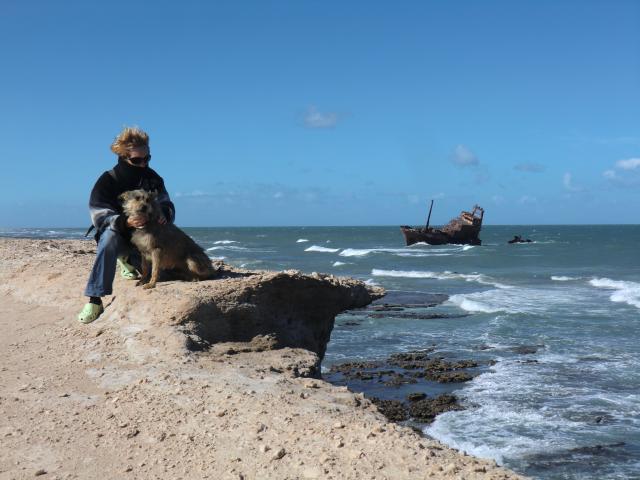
103 401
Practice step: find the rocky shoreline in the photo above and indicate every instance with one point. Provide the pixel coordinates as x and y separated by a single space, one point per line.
402 385
215 379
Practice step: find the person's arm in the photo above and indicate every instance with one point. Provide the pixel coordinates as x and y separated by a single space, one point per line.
103 206
168 209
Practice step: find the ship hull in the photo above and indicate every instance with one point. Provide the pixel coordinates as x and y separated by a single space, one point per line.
466 235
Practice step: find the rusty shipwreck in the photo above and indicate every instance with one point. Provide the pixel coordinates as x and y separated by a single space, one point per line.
464 229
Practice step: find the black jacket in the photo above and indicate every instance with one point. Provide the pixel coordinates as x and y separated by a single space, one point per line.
105 208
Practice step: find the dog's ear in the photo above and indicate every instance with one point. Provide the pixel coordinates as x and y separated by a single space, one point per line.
123 197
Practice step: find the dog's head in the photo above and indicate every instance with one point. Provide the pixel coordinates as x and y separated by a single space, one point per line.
141 204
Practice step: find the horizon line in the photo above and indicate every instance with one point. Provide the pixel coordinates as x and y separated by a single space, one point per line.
351 226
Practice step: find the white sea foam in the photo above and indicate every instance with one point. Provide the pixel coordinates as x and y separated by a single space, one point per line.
623 291
401 252
337 264
316 248
413 254
301 240
562 278
519 300
224 242
226 247
217 258
446 275
356 252
503 425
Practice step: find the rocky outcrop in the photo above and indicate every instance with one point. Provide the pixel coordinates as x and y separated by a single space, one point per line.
295 309
289 308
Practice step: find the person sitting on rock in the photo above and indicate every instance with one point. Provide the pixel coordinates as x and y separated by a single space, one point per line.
132 172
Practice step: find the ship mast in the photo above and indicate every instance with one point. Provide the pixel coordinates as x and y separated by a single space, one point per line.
429 217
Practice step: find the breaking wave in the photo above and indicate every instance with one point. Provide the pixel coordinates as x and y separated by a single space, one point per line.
519 300
623 291
226 247
468 277
562 278
301 240
316 248
224 242
401 252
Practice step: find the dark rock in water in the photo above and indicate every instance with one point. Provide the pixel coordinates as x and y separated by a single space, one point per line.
411 360
421 409
526 349
412 356
411 377
351 324
427 409
448 377
398 379
414 397
394 410
387 308
350 367
411 299
416 316
439 365
597 449
572 463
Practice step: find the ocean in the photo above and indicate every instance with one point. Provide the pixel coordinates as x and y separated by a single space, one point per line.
569 408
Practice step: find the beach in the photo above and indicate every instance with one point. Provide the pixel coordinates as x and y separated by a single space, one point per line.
125 397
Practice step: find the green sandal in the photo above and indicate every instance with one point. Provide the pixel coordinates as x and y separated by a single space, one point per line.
90 313
127 270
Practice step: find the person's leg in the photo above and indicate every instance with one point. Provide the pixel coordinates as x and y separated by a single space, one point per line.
100 281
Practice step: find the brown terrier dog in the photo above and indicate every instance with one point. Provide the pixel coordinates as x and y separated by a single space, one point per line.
163 247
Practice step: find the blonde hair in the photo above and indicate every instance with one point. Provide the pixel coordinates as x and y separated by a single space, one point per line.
129 137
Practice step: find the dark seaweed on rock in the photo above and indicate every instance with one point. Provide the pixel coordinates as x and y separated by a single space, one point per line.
394 410
448 377
398 379
421 409
426 410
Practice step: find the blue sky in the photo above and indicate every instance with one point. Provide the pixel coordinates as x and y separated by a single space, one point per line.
326 113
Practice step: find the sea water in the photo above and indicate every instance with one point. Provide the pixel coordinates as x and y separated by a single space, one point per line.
569 410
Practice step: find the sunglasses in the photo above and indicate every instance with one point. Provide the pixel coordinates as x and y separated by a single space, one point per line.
139 161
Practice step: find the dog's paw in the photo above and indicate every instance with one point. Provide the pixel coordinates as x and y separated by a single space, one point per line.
149 285
139 282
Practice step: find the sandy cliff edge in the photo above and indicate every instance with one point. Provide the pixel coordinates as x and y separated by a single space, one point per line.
183 382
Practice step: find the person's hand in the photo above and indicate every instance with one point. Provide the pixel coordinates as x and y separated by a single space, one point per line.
162 220
136 222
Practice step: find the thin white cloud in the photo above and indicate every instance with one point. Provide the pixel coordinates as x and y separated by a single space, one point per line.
464 157
625 173
567 181
530 167
316 119
628 164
